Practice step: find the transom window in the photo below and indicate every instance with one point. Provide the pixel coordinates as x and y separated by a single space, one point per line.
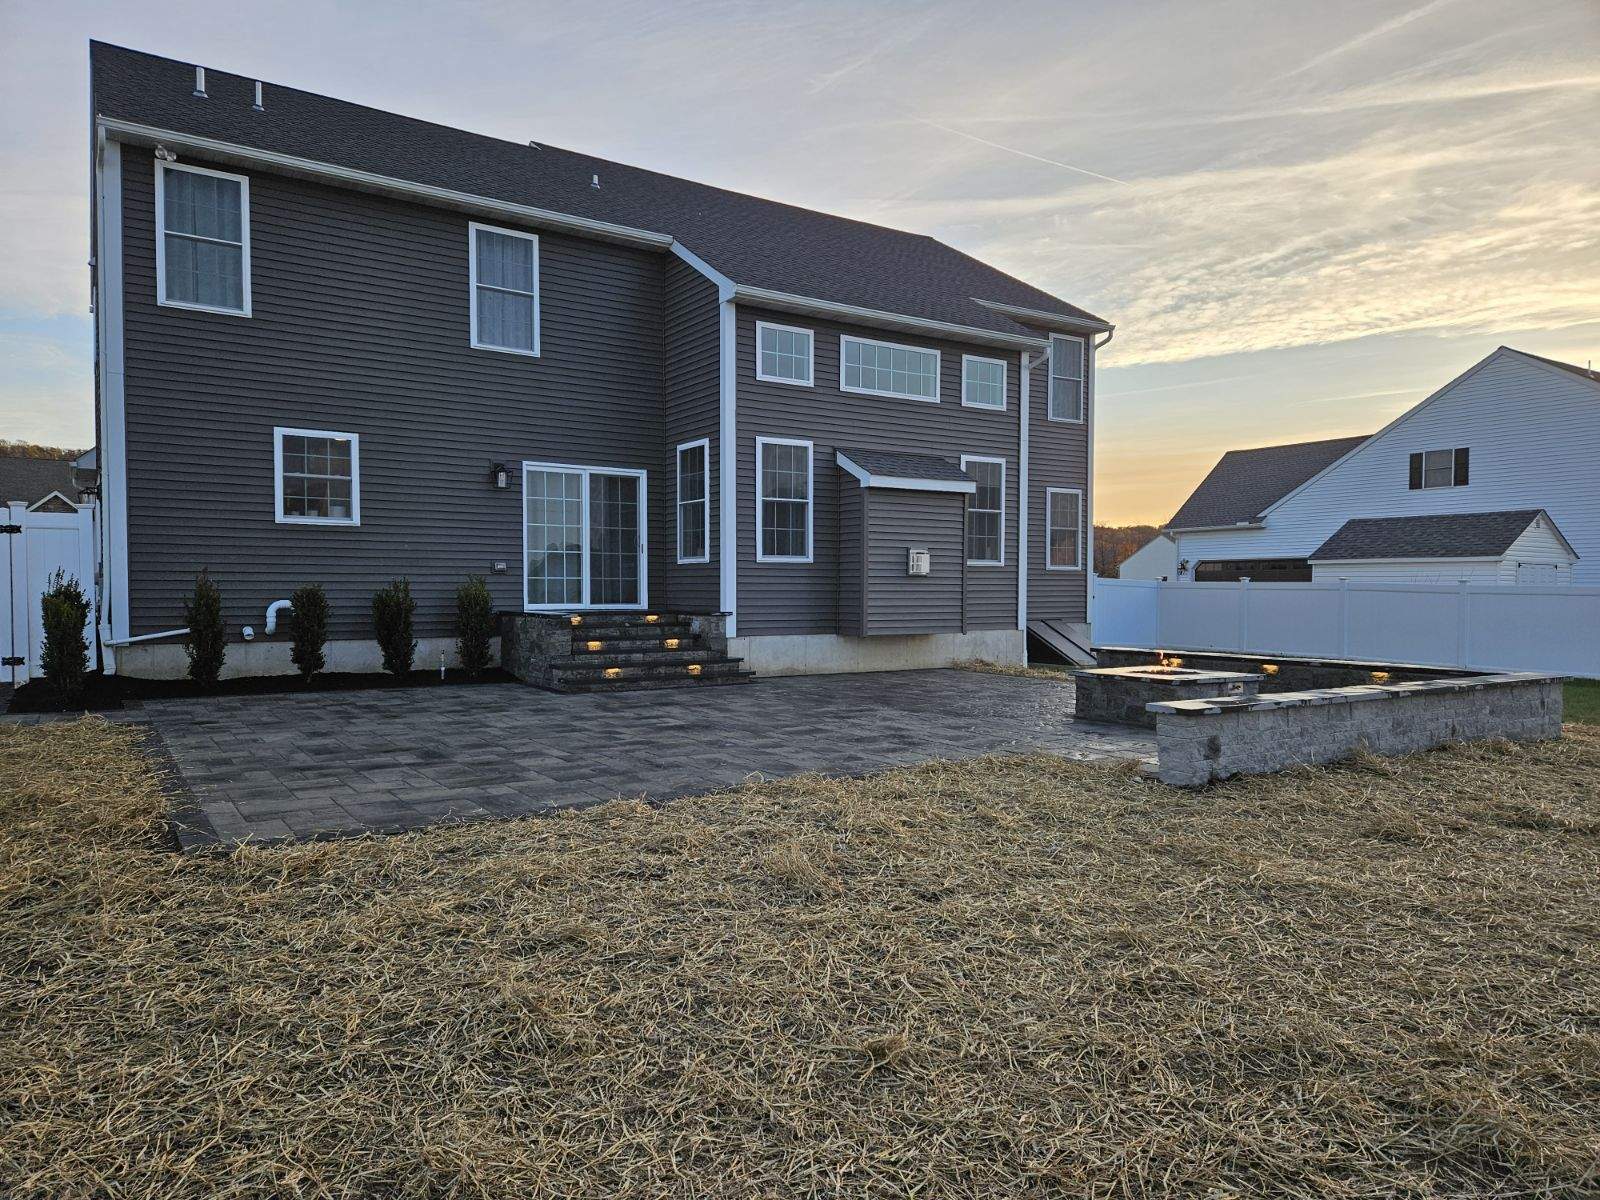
1066 378
986 512
1063 529
202 239
505 289
888 369
983 382
694 502
1440 468
783 500
783 353
318 477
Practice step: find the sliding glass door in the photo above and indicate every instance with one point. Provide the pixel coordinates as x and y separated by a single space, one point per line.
584 537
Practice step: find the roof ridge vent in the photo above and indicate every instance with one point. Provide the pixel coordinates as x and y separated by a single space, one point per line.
200 82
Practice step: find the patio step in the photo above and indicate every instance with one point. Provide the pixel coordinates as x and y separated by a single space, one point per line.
646 658
643 685
606 643
617 676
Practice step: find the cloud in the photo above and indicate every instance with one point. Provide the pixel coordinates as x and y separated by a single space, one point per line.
1376 33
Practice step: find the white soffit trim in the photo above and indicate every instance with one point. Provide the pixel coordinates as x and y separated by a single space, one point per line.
1050 319
899 483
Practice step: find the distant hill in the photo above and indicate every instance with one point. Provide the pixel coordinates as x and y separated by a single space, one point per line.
11 449
1114 543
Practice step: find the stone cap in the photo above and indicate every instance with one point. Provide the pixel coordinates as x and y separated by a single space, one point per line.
1154 674
1346 695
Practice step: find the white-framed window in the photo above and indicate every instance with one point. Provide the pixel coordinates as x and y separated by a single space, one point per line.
202 239
783 500
317 477
583 537
694 501
1440 468
986 511
504 271
784 353
1068 359
888 369
983 382
1063 529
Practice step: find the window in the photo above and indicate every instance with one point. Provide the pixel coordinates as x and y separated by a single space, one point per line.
885 369
1440 468
1066 378
202 239
1063 529
318 477
986 512
694 502
583 537
983 382
783 353
783 500
505 289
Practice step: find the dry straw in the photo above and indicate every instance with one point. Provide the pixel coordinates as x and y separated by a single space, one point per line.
1008 977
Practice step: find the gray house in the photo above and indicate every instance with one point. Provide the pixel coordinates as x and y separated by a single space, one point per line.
337 345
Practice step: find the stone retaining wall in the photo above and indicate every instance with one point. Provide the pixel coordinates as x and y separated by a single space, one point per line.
1202 740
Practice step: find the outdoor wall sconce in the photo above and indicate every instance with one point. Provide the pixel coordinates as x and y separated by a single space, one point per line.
500 476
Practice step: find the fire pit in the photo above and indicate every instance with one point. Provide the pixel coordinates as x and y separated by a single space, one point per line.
1119 694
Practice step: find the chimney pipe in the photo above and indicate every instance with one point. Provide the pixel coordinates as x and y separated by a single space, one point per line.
594 181
258 106
200 82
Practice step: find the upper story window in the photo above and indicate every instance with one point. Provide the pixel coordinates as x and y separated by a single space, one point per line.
318 477
783 353
1063 529
505 289
694 502
783 500
1067 361
888 369
1439 468
983 382
986 512
202 239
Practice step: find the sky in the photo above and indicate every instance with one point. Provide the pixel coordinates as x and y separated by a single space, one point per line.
1302 217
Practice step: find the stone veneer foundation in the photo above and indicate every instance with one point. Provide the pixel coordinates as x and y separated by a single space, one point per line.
1201 740
1122 695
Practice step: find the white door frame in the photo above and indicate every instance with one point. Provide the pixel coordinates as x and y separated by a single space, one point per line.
585 471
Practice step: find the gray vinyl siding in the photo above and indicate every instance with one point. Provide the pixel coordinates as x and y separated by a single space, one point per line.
897 603
852 555
360 325
801 598
1058 457
694 407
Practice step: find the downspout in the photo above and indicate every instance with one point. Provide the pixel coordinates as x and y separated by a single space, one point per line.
1088 498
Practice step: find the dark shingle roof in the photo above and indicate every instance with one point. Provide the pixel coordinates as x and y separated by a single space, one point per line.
756 243
1581 372
893 464
32 479
1244 482
1442 535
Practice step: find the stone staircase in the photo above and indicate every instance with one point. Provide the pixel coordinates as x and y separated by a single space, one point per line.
618 652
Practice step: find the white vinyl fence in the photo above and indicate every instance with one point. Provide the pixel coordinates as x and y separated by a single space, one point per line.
34 546
1481 626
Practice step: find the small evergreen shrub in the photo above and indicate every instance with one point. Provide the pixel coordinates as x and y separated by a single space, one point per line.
393 615
474 624
64 610
310 625
202 613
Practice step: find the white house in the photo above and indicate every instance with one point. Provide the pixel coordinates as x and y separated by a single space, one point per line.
1156 559
1514 443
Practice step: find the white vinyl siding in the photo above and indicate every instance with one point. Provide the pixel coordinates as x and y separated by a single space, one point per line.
1067 363
504 271
1063 533
983 382
317 477
202 239
783 500
784 353
986 511
888 369
694 502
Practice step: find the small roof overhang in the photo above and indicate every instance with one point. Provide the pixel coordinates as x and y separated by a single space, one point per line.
906 472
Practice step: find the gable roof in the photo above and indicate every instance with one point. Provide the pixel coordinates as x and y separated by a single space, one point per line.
1440 535
755 243
1245 482
32 479
1585 373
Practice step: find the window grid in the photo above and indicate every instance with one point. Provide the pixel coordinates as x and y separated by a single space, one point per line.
986 512
317 477
613 539
555 537
1067 371
983 382
1063 529
783 501
694 502
1439 468
783 353
887 369
505 290
203 240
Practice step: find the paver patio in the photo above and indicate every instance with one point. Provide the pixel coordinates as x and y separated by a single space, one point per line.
268 768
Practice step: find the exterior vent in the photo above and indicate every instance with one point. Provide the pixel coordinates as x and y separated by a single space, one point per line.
918 561
200 82
259 106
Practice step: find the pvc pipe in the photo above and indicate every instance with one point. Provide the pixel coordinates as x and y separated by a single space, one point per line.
145 637
272 614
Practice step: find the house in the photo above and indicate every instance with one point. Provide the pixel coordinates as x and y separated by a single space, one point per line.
1156 559
336 345
1492 476
40 484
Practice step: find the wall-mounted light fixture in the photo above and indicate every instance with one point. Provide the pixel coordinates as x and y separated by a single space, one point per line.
500 476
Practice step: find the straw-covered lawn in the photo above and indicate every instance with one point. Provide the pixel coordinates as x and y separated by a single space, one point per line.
1009 977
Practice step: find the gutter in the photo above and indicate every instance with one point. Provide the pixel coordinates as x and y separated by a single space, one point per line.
1245 525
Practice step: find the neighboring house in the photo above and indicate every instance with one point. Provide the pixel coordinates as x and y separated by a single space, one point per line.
337 345
1515 435
1156 559
42 484
1522 546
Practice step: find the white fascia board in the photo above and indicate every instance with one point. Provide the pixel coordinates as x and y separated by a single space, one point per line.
1245 525
899 483
1404 558
1049 319
725 287
789 302
288 164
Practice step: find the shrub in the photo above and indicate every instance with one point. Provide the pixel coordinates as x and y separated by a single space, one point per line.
310 624
202 613
64 611
474 624
393 612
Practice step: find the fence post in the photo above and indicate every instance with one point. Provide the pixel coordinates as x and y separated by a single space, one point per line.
1463 638
1244 614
